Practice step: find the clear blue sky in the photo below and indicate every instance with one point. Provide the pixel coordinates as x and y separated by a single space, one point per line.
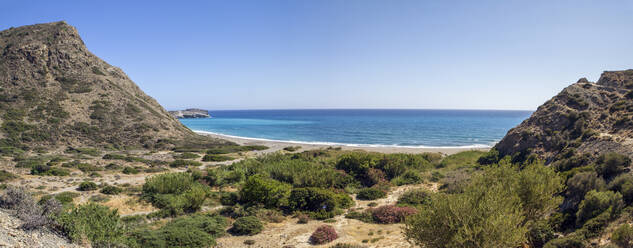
348 54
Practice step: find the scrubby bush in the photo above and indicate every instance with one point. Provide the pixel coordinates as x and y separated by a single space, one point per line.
581 183
269 215
490 157
611 164
198 230
391 214
539 233
315 199
130 170
623 184
492 211
571 241
323 234
65 198
248 225
45 170
92 222
87 186
183 162
364 216
347 245
216 158
303 218
370 194
415 197
596 203
623 235
408 177
175 193
268 192
229 198
292 148
111 190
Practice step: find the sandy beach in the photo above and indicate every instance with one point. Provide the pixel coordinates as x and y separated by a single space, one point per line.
279 145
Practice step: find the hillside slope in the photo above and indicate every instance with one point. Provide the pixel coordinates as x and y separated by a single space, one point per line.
585 118
56 92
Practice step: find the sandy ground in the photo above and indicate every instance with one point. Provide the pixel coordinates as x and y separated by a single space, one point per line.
279 145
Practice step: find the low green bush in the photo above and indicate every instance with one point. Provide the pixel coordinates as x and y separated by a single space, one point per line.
183 162
175 193
87 186
316 199
111 190
415 197
595 203
611 164
130 170
261 190
248 225
370 194
216 158
93 222
45 170
198 230
571 241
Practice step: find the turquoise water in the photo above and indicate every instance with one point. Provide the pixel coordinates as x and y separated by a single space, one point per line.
408 128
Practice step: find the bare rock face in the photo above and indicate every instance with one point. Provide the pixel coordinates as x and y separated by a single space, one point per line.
190 113
53 91
584 118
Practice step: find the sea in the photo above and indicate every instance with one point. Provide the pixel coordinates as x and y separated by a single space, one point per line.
365 127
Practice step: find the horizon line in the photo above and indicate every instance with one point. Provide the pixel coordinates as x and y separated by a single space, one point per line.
268 109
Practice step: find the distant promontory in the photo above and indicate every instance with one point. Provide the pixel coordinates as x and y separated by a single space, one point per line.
190 113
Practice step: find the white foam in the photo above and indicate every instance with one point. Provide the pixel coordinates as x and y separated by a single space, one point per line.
474 146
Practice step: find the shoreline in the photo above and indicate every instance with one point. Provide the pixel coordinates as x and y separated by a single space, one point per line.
276 145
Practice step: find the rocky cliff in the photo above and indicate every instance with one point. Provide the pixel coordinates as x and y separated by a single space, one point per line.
586 118
190 113
56 92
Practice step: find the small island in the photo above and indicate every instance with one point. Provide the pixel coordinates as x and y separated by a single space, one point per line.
190 113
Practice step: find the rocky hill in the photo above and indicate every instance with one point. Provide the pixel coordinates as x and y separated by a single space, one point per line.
56 92
583 120
190 113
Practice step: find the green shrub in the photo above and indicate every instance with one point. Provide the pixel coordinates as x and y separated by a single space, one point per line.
130 170
581 183
596 203
539 233
65 198
623 184
174 193
229 198
623 235
364 216
316 199
45 170
415 197
491 157
92 222
83 167
268 192
370 194
198 230
492 211
182 163
111 190
216 158
87 186
248 225
611 164
408 177
113 156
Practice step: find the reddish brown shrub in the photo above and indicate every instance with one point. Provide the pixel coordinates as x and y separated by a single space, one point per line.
391 214
375 176
323 234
